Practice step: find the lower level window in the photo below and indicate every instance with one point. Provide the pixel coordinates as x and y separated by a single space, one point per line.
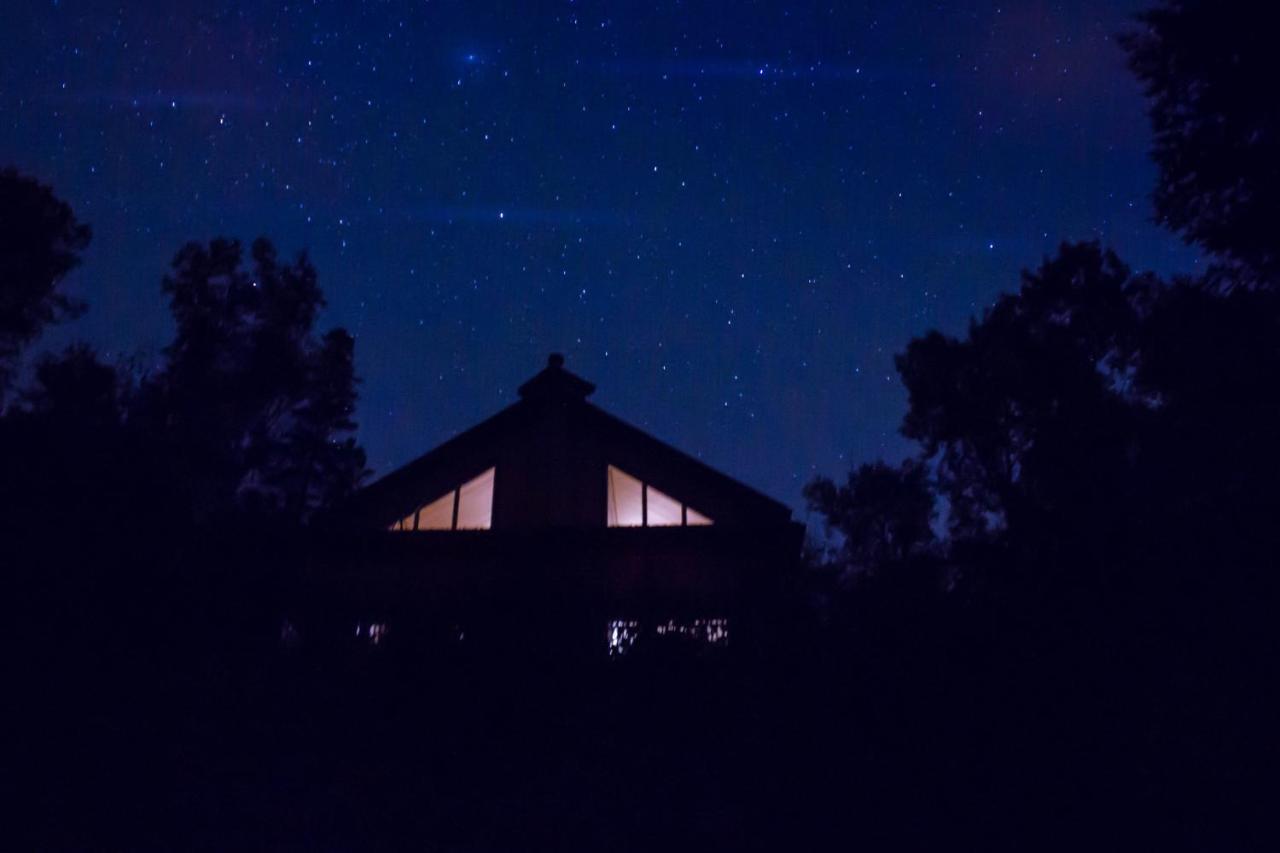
373 633
623 634
713 632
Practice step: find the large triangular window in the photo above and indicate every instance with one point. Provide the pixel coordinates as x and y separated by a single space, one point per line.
636 504
468 507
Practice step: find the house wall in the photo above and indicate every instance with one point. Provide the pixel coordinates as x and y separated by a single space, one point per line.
550 474
550 564
551 459
551 452
547 587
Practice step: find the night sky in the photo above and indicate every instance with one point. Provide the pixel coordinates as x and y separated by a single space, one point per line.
729 216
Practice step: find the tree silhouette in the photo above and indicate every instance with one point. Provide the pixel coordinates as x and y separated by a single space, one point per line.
1209 365
1210 353
882 513
1028 418
40 242
75 386
258 412
1217 131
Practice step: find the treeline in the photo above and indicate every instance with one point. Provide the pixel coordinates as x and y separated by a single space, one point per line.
249 410
1101 444
147 511
1076 575
1097 415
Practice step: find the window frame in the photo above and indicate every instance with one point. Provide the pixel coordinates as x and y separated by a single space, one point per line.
456 494
611 509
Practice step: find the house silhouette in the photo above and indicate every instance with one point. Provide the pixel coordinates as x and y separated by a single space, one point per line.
554 523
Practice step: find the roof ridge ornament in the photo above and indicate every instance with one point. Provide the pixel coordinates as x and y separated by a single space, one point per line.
556 383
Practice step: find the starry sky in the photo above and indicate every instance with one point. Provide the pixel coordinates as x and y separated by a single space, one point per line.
729 216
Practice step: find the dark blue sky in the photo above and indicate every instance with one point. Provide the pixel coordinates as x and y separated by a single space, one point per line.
729 216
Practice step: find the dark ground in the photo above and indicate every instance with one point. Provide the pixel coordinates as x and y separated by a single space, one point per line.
159 715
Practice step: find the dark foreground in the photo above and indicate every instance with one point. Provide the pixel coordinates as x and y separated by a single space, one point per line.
152 715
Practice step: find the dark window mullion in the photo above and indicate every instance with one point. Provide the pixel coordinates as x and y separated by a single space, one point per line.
454 525
644 505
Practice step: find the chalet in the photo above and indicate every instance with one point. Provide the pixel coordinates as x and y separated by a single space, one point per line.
556 522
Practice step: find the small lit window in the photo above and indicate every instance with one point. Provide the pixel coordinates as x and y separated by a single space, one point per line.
713 632
621 635
374 633
469 507
289 636
636 504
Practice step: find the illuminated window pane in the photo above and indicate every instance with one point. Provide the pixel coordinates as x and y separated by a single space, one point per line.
374 632
695 518
475 503
713 632
622 635
625 496
405 523
664 511
437 515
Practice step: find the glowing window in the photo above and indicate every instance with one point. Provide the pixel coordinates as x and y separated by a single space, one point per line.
621 635
374 632
661 510
626 500
694 518
437 515
475 503
469 507
636 504
713 632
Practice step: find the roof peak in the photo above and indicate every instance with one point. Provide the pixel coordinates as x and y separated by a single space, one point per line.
553 382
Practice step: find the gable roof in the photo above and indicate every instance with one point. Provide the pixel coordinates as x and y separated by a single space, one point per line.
553 439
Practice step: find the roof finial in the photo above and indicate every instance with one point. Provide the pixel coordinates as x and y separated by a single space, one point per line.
554 382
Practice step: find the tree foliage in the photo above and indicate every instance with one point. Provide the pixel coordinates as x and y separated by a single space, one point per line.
1094 433
882 513
1204 66
1026 417
251 411
261 407
40 242
75 386
1098 422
